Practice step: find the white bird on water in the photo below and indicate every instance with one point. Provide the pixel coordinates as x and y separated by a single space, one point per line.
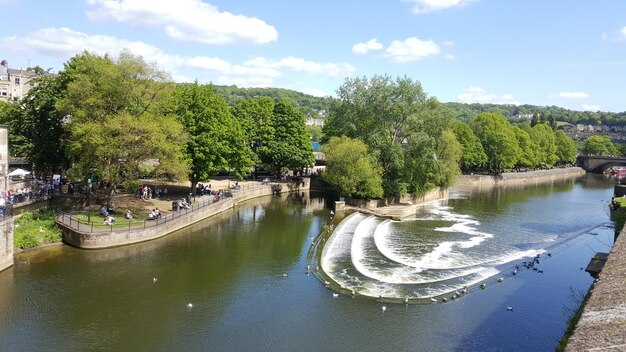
285 275
433 300
332 212
189 305
406 300
384 308
509 309
500 279
154 279
335 295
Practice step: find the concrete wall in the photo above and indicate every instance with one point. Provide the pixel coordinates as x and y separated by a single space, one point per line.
519 178
6 244
437 193
120 237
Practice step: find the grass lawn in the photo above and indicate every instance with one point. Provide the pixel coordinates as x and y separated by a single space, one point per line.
35 228
621 202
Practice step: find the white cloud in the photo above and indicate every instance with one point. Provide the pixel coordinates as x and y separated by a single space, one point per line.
448 43
363 48
186 20
574 95
479 95
63 43
449 57
425 6
411 49
587 107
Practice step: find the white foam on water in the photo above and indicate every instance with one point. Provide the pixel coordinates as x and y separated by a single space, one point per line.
338 245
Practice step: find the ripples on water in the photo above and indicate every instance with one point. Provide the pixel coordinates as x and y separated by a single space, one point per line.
436 252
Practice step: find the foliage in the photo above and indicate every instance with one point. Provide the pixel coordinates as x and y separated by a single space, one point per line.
307 104
35 228
449 153
216 140
117 119
131 186
350 169
566 150
43 126
256 117
291 145
528 150
599 145
474 156
542 135
498 139
401 126
315 132
466 112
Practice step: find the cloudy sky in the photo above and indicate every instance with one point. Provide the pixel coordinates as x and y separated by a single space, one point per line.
570 53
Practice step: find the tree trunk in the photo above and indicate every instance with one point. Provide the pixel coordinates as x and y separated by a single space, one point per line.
110 202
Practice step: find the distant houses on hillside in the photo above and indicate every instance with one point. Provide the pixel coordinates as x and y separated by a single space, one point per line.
14 83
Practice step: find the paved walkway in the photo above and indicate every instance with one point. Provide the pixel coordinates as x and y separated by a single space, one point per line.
602 326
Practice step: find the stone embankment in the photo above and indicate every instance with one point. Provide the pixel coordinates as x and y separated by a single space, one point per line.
6 243
602 326
84 237
518 178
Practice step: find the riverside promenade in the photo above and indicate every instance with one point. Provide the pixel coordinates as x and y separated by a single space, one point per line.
602 326
85 235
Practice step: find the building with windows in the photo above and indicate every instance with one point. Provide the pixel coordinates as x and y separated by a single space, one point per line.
14 83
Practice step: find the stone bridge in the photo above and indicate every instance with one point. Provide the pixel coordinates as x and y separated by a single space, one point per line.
598 164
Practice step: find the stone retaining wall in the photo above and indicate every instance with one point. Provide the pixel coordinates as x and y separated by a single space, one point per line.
602 326
519 178
436 193
120 237
6 244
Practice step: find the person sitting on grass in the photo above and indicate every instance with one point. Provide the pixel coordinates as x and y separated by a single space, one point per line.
182 203
104 212
109 220
128 215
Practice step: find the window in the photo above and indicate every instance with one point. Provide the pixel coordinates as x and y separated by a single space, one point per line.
4 92
17 80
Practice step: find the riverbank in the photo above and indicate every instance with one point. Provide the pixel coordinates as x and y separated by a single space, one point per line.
602 325
87 236
518 178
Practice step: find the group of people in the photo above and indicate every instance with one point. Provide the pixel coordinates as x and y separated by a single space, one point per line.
149 192
154 214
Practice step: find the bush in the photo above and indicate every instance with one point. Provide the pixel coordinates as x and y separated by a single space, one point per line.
35 228
131 187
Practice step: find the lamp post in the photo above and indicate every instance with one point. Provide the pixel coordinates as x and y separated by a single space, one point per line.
89 200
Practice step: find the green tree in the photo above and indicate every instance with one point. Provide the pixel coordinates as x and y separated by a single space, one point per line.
528 150
315 132
543 136
117 120
474 156
256 117
291 145
498 139
216 140
449 153
42 129
566 150
350 169
398 122
599 145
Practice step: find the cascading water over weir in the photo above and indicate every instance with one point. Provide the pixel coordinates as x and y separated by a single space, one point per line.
435 256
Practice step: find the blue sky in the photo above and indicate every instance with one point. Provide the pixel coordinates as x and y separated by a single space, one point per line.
570 53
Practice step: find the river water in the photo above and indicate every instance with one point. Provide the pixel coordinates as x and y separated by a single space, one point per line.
244 274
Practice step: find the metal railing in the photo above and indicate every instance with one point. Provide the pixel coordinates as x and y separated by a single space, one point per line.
80 225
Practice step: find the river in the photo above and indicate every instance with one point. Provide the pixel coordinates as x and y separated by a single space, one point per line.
244 274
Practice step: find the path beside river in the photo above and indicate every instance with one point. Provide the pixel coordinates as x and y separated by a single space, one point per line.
602 326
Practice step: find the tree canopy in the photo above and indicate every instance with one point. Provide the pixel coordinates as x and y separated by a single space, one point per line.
401 126
350 168
498 139
599 145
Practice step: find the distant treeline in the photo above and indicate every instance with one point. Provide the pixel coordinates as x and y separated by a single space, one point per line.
310 105
307 104
466 112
